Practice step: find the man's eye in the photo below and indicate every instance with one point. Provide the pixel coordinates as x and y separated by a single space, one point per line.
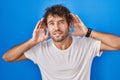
50 24
61 22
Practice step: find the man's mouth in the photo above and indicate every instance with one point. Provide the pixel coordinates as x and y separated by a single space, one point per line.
57 33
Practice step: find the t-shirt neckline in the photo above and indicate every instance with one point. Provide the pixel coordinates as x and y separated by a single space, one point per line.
65 49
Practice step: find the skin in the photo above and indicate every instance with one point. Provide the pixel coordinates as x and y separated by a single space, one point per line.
58 29
108 41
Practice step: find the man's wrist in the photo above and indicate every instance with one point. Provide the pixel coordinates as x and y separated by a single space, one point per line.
88 32
32 42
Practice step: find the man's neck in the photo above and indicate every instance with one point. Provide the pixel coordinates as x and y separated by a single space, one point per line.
64 44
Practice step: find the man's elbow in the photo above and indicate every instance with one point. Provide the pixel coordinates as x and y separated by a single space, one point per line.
7 59
117 47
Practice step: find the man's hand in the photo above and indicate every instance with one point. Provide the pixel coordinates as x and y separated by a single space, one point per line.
39 32
17 52
79 27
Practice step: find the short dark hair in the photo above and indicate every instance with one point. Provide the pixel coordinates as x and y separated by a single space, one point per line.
58 10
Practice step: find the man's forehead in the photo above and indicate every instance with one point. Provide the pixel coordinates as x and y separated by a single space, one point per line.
55 17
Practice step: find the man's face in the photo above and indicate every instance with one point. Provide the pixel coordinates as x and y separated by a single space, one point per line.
58 28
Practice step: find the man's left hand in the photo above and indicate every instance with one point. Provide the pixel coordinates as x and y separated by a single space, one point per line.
79 28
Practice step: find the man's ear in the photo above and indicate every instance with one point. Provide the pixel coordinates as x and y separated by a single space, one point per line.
46 28
70 25
46 31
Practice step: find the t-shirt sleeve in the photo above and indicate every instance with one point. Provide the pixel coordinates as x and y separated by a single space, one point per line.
95 46
32 54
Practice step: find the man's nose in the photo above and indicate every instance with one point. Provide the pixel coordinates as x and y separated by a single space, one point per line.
56 26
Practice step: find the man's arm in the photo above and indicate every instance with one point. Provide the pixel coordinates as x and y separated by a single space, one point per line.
108 41
17 52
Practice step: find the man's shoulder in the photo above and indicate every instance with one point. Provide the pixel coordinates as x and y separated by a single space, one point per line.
45 43
84 39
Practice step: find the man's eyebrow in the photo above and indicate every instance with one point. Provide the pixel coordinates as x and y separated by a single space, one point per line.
50 21
62 20
53 21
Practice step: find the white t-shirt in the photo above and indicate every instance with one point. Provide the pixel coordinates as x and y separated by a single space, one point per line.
74 63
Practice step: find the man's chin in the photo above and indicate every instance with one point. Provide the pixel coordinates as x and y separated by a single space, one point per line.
58 39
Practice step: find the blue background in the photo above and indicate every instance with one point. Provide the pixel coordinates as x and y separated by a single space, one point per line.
19 17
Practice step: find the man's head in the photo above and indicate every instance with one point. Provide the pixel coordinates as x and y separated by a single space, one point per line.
58 10
58 21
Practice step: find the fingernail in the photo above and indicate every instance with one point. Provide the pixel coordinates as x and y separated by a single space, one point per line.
41 19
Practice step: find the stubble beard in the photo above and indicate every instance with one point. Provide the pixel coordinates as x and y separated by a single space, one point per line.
63 35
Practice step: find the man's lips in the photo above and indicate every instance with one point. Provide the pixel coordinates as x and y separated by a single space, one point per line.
57 33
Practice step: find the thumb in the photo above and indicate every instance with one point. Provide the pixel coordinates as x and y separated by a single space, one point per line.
72 33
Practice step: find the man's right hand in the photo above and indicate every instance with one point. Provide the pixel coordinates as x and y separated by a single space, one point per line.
17 53
39 32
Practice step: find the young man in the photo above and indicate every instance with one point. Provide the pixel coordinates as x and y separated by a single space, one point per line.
63 57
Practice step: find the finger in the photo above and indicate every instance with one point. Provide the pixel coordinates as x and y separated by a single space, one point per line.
41 30
75 18
73 33
37 25
40 24
78 18
43 25
72 15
